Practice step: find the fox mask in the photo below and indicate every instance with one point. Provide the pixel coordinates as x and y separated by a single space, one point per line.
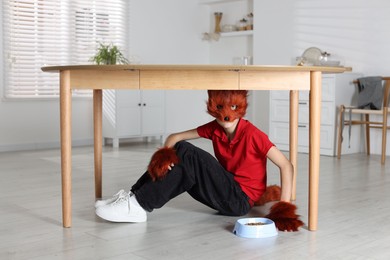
227 105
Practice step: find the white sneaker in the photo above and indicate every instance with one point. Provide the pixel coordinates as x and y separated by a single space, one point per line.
114 197
122 210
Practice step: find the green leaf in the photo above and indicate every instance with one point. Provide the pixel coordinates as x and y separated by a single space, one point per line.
109 54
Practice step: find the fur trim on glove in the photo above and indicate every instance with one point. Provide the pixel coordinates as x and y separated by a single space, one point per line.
284 216
160 162
272 193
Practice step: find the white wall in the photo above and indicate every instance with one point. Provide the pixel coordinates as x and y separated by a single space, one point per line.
226 49
32 124
272 46
161 32
169 32
354 31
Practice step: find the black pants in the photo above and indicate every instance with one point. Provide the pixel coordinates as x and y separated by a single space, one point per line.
199 174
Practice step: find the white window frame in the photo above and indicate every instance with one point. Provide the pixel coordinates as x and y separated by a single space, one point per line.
55 32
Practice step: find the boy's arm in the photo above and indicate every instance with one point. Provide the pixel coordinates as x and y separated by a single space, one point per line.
283 213
177 137
286 172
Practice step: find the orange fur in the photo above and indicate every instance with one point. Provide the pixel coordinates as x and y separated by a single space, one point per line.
160 161
272 193
227 105
284 216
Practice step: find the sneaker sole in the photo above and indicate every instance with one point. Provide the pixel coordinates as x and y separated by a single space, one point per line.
128 219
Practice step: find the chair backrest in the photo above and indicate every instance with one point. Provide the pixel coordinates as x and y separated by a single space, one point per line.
386 90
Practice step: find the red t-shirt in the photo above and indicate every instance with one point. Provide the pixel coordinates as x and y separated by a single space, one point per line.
245 156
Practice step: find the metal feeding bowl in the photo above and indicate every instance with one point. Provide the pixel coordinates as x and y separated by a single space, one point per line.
255 228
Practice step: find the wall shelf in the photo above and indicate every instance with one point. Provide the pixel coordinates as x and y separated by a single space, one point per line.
209 2
227 47
237 33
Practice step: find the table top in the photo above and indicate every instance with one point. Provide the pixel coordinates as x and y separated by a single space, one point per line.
199 67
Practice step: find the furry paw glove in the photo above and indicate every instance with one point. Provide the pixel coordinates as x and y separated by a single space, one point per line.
161 161
284 216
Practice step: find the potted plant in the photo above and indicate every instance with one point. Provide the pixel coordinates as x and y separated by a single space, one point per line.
109 54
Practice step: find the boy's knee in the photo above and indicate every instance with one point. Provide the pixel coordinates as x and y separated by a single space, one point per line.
184 148
182 145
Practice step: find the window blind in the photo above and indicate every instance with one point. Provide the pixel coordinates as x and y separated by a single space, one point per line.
55 32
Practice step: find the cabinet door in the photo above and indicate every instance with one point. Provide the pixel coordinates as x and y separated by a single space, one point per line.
153 112
128 112
327 112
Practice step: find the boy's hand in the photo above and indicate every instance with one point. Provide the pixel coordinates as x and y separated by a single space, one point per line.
161 162
170 166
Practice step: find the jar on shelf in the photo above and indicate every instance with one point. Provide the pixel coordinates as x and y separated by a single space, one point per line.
249 18
218 18
242 24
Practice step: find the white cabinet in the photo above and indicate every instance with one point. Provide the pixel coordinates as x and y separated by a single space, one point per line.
133 113
336 89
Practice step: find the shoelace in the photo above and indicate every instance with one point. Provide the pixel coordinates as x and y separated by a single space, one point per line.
122 196
118 194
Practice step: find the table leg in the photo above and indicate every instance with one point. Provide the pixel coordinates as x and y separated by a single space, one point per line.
314 146
98 140
66 147
294 94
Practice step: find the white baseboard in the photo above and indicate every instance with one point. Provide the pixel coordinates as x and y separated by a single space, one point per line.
42 145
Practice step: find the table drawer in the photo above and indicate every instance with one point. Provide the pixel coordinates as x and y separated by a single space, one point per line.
328 91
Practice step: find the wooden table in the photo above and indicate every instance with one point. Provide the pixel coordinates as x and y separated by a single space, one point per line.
250 77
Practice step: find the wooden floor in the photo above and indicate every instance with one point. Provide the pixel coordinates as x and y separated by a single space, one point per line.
354 213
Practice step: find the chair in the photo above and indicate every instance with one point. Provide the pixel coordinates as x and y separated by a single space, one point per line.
365 120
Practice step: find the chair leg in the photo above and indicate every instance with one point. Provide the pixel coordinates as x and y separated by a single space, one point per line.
384 135
368 134
340 131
